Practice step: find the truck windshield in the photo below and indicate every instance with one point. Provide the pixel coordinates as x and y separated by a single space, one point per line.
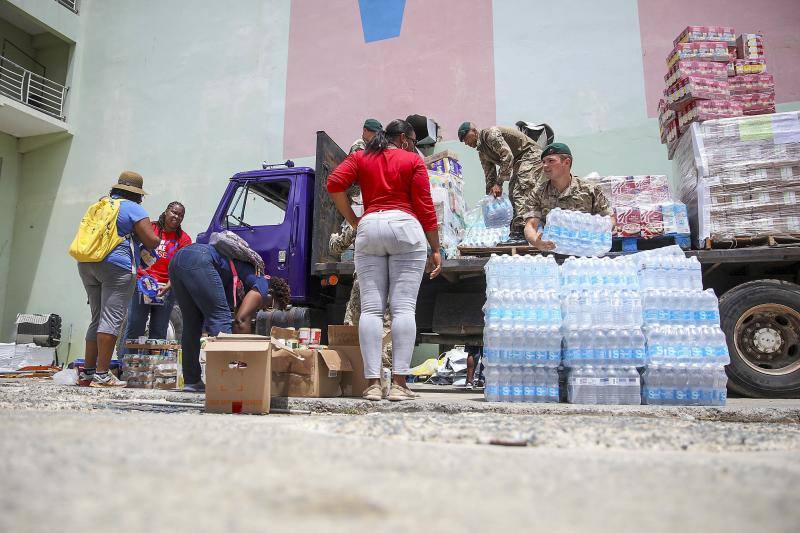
259 204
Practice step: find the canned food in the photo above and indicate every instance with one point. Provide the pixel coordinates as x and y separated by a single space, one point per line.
292 344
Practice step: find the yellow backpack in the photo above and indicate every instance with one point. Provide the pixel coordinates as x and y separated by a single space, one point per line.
97 234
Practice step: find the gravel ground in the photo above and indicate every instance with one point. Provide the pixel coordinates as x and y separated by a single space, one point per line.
73 459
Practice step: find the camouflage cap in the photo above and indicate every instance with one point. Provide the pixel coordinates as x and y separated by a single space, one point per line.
556 148
372 125
463 129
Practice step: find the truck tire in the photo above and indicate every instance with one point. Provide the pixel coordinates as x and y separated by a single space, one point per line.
761 321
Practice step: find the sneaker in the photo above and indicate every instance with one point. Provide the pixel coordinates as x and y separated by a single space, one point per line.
373 393
107 380
194 387
399 394
84 379
468 386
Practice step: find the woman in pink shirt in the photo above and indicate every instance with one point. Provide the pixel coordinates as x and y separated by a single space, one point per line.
391 246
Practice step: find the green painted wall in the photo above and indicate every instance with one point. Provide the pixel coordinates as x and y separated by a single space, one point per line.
9 177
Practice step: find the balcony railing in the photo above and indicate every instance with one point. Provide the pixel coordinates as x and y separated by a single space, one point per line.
72 5
32 89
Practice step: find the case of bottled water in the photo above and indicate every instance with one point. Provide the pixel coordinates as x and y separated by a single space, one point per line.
522 329
686 348
604 385
684 384
577 233
497 212
478 237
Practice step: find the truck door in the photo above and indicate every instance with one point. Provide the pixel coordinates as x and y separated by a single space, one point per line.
269 213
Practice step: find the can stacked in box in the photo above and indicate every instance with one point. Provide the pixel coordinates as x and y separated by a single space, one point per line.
151 364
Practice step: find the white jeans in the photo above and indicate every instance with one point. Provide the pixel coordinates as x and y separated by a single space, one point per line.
390 257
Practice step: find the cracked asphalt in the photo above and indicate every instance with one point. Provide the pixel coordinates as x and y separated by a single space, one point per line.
76 459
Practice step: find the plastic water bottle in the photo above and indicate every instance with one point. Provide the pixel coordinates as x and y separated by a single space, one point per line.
517 384
505 384
529 384
541 384
491 391
552 385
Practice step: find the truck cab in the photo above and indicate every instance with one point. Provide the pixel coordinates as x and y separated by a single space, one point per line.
271 209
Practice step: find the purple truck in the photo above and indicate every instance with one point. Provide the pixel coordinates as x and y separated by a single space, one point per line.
285 213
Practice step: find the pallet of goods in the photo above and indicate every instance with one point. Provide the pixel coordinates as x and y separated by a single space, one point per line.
447 193
645 210
740 179
713 74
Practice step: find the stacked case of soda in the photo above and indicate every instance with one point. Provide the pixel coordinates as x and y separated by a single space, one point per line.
577 233
522 329
686 349
713 75
603 340
643 206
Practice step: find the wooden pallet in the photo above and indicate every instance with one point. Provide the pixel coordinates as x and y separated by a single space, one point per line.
638 244
750 241
499 250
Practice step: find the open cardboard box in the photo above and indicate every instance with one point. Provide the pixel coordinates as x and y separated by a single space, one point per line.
304 372
344 340
238 371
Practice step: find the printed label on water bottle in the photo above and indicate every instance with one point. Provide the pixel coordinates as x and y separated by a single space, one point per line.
529 391
505 390
541 391
517 391
552 392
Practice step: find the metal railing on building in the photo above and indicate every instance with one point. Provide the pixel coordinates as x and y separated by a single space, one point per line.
32 89
72 5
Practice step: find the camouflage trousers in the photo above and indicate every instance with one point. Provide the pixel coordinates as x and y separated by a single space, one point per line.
353 313
527 175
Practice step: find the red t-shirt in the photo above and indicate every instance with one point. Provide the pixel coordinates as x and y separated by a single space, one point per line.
392 179
170 244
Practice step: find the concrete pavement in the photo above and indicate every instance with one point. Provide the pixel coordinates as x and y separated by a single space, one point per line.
73 459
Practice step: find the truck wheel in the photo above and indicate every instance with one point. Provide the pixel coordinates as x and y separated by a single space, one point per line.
761 321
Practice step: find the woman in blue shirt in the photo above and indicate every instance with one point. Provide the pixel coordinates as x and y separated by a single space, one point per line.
109 283
203 282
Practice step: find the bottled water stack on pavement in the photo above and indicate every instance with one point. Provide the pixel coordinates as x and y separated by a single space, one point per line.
603 340
686 348
576 233
522 329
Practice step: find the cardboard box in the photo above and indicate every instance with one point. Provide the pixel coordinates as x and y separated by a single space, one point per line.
238 370
304 372
344 339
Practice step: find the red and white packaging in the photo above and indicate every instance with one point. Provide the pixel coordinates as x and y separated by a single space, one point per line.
699 69
658 188
724 34
693 88
755 103
750 46
623 192
704 51
700 110
752 83
651 222
750 66
629 221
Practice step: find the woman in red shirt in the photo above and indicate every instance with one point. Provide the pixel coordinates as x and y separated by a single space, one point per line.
390 246
173 238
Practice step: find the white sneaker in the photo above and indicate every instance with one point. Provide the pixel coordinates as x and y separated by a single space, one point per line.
107 380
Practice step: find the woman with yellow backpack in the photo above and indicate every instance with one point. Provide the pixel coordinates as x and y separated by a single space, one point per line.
108 250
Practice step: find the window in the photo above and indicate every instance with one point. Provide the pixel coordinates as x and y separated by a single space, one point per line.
259 204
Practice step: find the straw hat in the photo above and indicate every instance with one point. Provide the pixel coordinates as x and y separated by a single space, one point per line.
130 181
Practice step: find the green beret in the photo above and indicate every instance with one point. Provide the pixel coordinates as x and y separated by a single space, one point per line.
463 129
372 125
556 148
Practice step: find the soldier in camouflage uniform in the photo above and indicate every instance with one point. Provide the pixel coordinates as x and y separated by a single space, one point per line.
340 242
563 190
519 160
371 127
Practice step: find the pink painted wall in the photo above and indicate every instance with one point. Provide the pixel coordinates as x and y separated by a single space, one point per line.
778 20
441 65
